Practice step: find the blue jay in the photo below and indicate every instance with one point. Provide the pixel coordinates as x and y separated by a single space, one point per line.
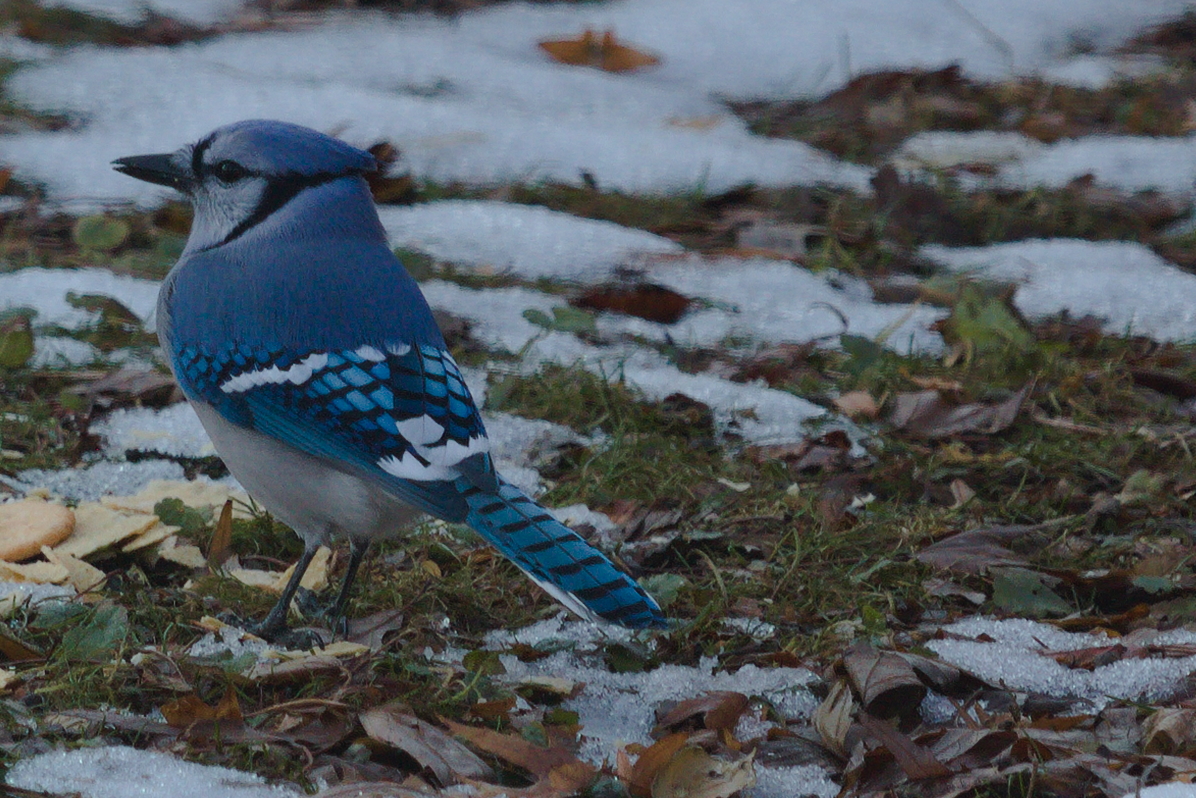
315 365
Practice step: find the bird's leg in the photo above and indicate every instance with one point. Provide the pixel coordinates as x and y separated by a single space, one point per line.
357 551
276 622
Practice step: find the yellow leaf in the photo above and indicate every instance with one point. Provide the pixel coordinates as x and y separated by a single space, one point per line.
605 53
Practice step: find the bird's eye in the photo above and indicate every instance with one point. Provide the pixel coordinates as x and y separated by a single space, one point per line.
229 171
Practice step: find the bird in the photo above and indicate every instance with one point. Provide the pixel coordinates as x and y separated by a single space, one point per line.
316 367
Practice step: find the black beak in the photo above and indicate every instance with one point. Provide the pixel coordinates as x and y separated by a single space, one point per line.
155 169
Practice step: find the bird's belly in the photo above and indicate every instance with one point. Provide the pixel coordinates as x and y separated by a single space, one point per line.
305 492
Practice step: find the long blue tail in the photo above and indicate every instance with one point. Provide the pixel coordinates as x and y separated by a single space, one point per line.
558 559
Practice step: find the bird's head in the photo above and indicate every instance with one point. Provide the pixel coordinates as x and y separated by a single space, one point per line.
241 174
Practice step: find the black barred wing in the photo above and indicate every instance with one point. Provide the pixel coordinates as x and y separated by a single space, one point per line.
402 414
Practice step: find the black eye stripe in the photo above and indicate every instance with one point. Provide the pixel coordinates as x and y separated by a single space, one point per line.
279 191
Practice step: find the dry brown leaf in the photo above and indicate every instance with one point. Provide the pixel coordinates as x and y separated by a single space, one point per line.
191 709
651 761
936 383
372 630
833 717
945 588
300 669
916 761
13 650
220 546
643 300
550 685
394 725
885 682
1170 730
605 53
540 762
718 709
977 550
924 414
693 773
857 404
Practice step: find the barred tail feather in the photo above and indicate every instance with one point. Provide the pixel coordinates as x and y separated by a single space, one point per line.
558 559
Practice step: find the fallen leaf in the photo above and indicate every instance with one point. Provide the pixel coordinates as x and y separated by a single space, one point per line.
651 761
372 630
945 588
96 638
434 750
977 550
191 709
220 546
512 748
605 53
833 717
1170 730
1025 592
857 404
643 300
13 650
924 414
717 709
693 773
886 683
916 761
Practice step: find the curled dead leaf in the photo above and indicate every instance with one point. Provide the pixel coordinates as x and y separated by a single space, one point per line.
885 682
833 717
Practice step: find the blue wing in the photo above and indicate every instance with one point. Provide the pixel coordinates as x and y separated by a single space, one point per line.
401 415
404 417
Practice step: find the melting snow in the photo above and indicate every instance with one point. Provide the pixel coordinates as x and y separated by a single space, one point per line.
523 240
1126 284
619 708
473 99
45 290
1014 659
122 772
